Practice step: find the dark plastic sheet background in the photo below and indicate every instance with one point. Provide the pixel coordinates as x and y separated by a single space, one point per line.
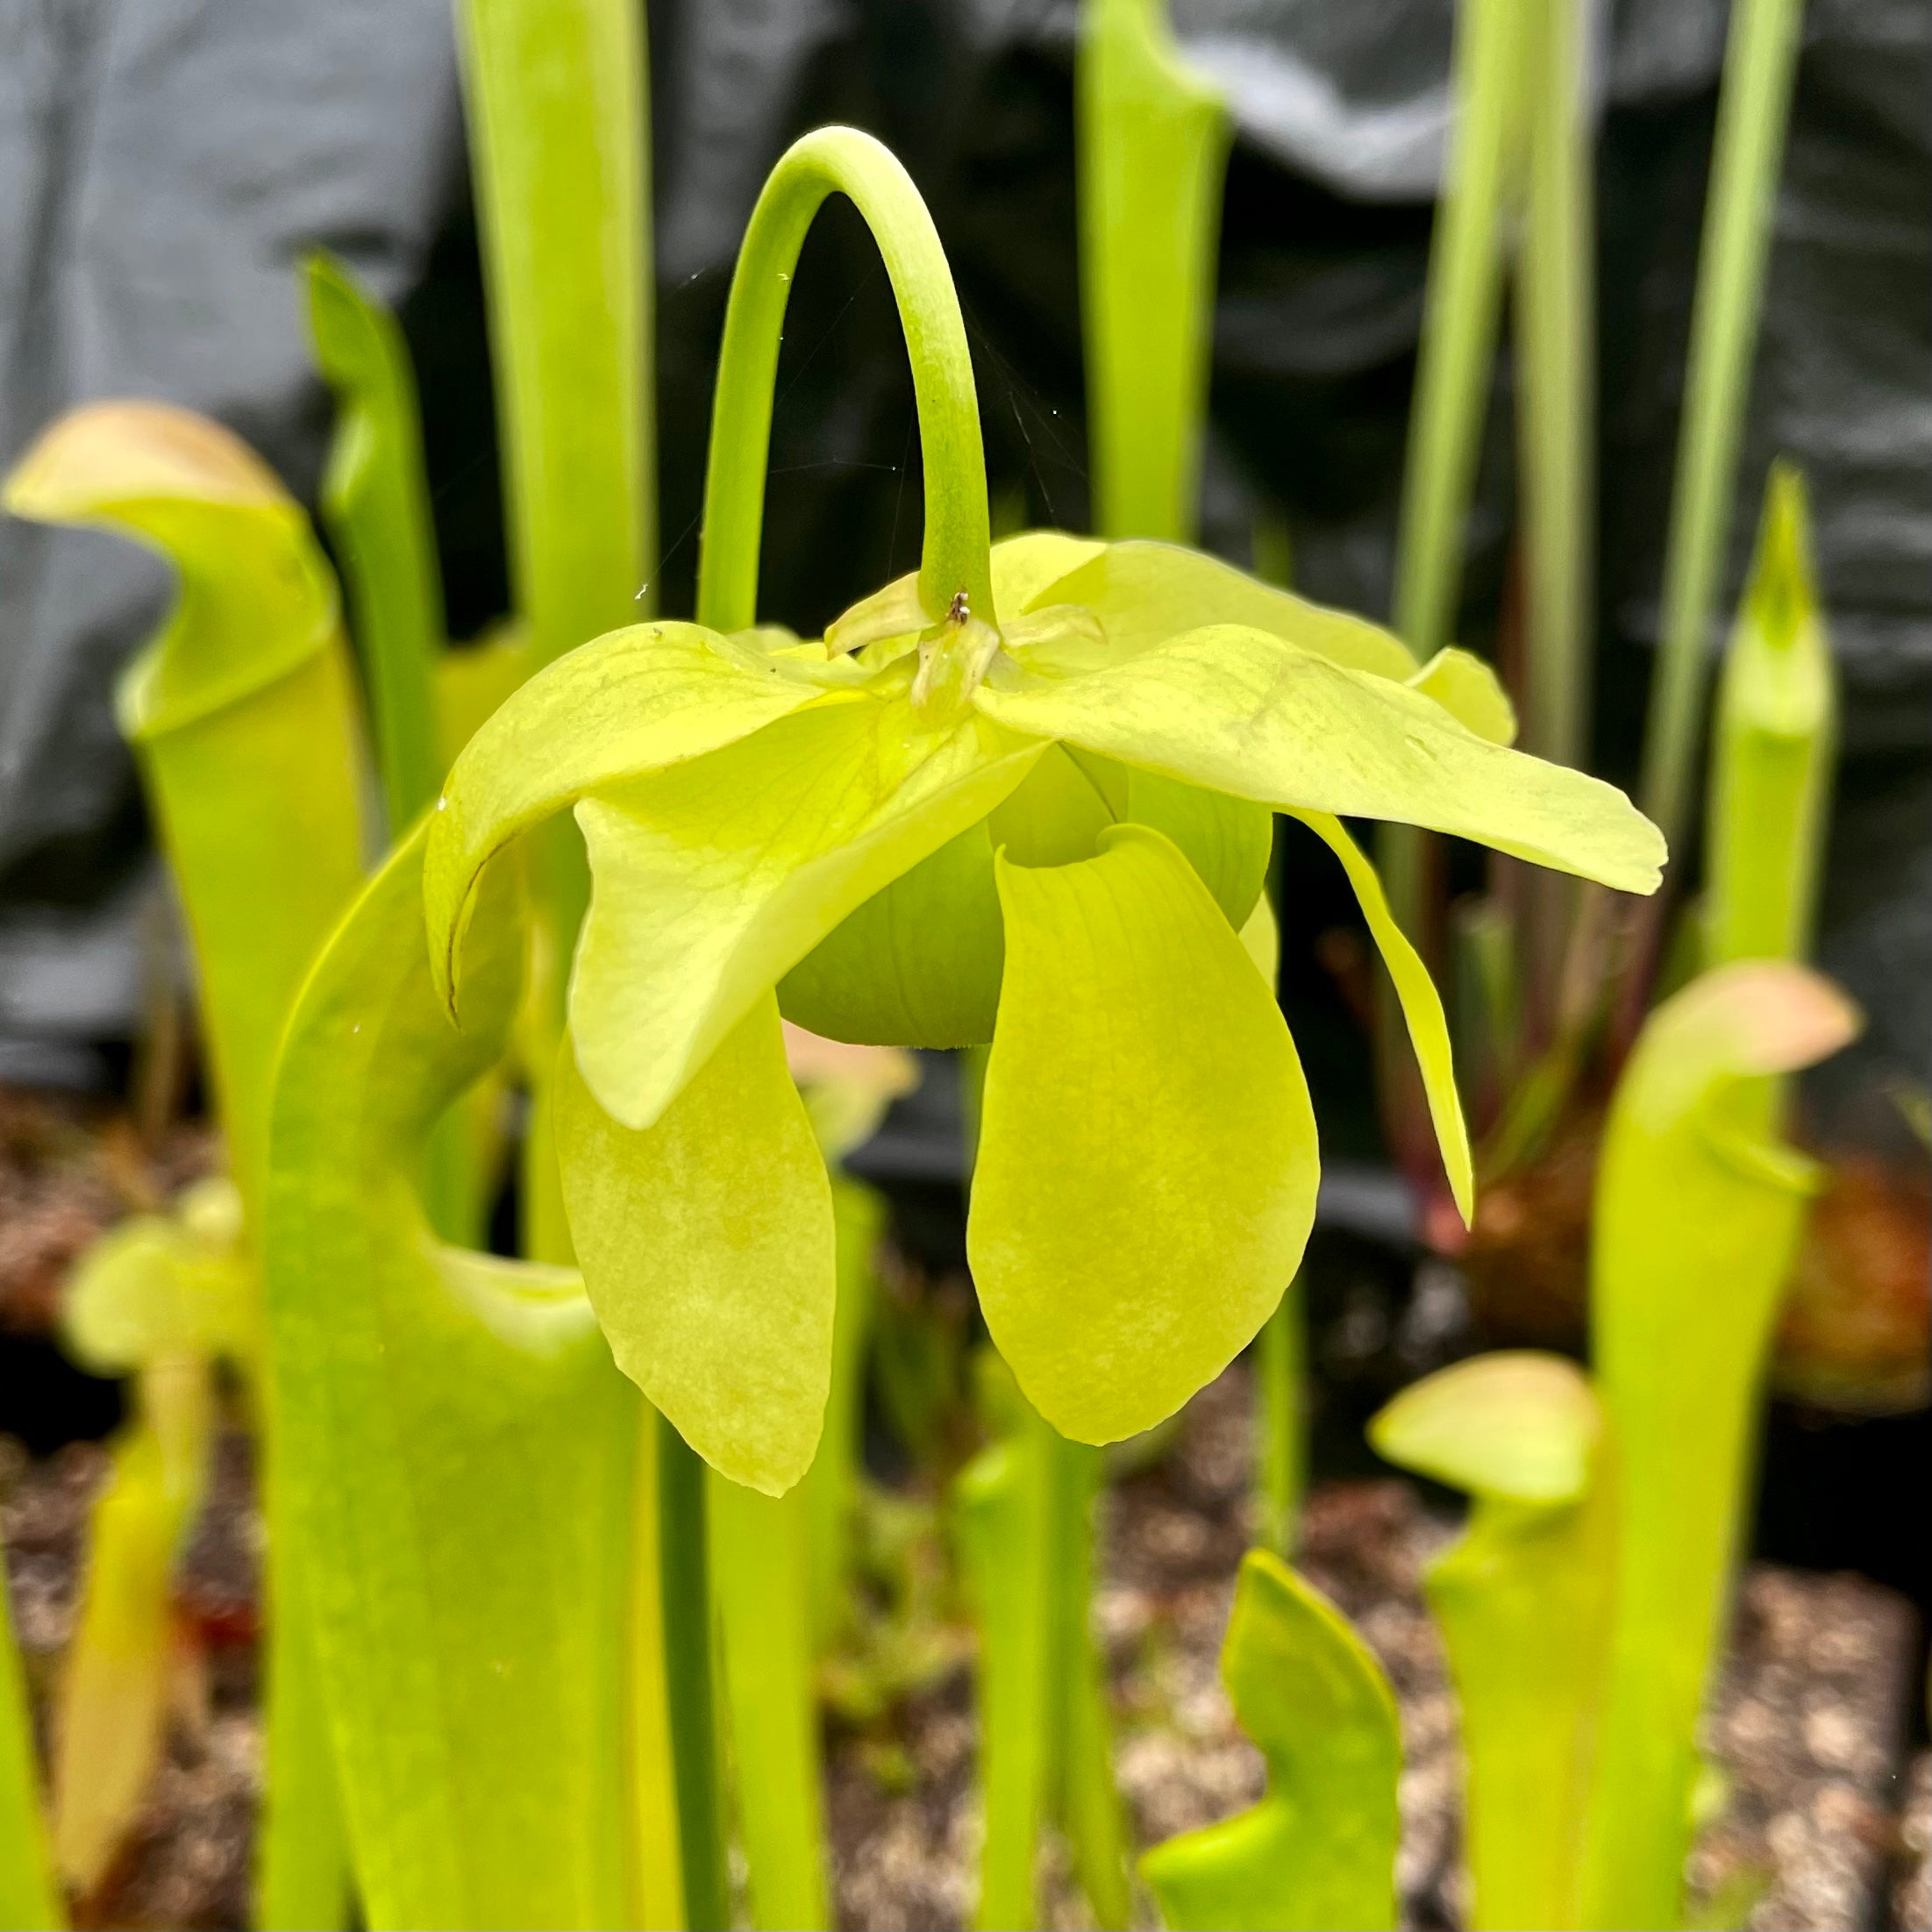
167 161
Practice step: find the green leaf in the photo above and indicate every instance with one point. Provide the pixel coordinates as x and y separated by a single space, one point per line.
255 596
1774 743
556 100
1003 1514
1699 1210
762 1577
1153 145
375 502
455 1455
1147 1161
1319 1850
111 1721
1516 1424
707 1245
1145 594
1754 104
714 880
637 701
244 694
1522 1597
1242 712
27 1897
1422 1007
1024 1509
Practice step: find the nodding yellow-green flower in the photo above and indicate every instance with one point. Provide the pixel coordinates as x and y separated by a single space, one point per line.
1024 798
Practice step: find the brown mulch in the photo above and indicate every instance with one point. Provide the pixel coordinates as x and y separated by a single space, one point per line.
70 1168
1807 1725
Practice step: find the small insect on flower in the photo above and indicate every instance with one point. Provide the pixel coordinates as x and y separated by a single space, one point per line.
958 612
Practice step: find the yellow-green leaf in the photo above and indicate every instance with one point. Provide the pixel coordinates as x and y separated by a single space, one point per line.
244 693
712 881
1421 1007
257 597
1145 594
707 1247
1699 1208
634 701
1318 1852
454 1460
1522 1598
1147 1163
1517 1424
1239 711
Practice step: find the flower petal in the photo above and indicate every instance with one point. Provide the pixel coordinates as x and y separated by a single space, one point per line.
1026 565
1147 1163
1468 690
707 1248
1421 1007
711 882
1146 593
634 701
1242 712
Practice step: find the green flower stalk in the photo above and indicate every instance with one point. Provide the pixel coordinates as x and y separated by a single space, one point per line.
1022 797
1699 1210
1319 1850
1522 1598
375 505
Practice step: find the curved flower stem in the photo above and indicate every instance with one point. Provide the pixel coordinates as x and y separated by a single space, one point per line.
955 559
841 160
